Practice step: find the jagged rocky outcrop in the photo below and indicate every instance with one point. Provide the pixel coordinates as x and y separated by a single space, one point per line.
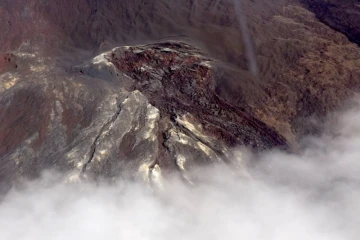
95 91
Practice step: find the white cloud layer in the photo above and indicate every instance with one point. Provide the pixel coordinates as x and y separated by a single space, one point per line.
314 195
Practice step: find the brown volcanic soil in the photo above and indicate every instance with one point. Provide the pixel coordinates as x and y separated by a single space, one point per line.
148 107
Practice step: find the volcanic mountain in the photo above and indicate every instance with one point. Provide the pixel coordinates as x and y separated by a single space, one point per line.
148 88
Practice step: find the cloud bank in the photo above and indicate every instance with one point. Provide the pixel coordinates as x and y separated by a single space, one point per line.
313 195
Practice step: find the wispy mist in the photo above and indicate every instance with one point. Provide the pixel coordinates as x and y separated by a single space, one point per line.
249 46
314 195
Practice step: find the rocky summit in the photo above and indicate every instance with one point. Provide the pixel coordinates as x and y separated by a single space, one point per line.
109 89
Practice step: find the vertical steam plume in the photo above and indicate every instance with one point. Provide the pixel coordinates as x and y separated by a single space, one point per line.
249 48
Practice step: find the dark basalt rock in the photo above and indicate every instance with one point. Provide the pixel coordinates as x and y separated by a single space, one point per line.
177 78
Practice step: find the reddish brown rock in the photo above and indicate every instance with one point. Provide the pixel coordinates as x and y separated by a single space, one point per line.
7 62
